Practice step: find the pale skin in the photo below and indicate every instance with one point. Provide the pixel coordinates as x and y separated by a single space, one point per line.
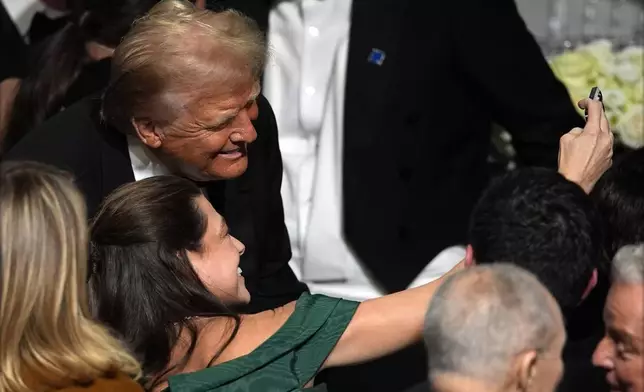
394 321
585 154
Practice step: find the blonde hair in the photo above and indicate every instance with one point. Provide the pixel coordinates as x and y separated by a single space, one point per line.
173 54
46 333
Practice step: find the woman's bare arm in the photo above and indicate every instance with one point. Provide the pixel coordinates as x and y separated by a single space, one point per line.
385 325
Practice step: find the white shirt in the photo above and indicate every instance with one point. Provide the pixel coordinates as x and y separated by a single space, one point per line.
305 83
23 11
144 163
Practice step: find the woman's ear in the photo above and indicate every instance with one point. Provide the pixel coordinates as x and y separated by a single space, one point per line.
469 257
592 282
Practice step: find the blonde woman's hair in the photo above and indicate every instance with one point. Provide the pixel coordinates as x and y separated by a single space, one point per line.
46 333
178 53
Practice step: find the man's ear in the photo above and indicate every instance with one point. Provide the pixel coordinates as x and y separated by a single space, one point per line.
591 284
525 369
469 257
147 132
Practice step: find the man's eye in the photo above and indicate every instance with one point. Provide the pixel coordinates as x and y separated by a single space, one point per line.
221 126
621 350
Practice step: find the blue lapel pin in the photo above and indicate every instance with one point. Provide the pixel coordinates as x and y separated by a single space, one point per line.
376 56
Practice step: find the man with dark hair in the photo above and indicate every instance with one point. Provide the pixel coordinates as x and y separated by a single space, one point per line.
537 219
619 196
545 222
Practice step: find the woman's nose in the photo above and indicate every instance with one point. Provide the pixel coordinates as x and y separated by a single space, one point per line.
239 246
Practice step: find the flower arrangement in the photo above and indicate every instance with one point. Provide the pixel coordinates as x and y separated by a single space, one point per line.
620 76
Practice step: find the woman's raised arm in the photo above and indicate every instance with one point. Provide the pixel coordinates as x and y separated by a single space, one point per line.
385 325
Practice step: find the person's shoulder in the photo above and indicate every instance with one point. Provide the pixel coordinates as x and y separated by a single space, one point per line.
77 118
120 382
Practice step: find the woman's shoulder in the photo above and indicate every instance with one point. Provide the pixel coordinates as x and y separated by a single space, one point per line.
308 310
281 349
119 382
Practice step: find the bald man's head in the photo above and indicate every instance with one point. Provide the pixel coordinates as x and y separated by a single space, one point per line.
496 324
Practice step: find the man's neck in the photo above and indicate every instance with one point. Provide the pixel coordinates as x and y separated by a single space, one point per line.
456 383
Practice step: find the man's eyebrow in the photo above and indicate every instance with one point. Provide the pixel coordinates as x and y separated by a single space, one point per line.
223 118
231 114
624 336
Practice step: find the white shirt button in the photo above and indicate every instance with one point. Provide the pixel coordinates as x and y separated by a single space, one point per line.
314 31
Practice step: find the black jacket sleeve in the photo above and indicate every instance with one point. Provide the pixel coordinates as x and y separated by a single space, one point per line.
505 62
278 245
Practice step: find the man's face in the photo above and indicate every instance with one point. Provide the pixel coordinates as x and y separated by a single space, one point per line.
209 139
620 351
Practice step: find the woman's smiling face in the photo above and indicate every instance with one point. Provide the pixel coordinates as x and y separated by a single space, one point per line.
217 262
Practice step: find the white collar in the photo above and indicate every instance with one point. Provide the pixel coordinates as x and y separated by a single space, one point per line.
144 163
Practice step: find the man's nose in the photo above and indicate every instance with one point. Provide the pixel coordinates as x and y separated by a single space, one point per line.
244 129
603 357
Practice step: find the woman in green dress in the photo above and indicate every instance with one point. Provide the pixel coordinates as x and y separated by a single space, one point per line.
166 277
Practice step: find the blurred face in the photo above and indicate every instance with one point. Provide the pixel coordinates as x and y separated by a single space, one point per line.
620 351
210 137
217 265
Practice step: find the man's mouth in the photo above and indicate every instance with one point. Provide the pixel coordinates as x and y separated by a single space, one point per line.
232 153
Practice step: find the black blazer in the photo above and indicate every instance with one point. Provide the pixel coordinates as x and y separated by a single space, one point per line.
97 155
417 127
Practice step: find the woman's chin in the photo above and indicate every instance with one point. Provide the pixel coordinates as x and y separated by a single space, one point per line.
244 297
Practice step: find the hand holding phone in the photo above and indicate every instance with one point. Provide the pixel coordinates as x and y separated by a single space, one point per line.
585 154
595 95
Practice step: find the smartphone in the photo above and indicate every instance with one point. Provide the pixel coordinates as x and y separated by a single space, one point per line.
595 95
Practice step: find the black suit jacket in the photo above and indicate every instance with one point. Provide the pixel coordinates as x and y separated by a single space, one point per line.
417 128
97 155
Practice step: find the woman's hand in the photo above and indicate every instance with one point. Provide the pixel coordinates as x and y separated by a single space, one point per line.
585 154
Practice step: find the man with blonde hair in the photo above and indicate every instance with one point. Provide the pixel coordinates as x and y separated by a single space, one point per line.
184 99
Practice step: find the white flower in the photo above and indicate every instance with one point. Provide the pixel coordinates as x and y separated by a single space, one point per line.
602 51
614 98
631 127
627 72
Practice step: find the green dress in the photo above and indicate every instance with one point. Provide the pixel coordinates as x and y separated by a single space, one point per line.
287 361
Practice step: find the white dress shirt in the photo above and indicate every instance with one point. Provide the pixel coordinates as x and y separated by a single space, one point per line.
144 163
305 83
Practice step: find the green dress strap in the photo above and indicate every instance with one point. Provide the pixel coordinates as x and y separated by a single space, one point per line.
287 361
